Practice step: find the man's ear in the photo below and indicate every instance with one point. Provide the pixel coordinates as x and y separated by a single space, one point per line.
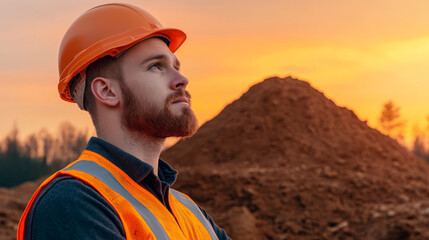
106 91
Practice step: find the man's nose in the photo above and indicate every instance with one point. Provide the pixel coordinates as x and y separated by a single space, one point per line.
179 81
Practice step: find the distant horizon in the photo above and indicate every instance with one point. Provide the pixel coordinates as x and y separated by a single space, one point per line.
408 138
359 54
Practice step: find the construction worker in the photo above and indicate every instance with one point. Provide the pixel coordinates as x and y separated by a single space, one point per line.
117 62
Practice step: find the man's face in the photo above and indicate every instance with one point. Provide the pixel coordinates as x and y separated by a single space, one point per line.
155 100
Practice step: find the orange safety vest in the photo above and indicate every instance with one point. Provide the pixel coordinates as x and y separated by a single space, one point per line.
143 216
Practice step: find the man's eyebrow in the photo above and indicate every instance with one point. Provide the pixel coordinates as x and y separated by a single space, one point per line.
161 56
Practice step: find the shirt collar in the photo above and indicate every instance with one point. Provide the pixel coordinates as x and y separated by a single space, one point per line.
136 169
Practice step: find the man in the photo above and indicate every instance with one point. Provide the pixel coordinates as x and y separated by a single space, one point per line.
116 61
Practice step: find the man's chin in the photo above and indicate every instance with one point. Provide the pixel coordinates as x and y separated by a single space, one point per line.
181 123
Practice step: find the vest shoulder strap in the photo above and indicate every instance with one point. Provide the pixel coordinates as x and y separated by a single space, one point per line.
192 206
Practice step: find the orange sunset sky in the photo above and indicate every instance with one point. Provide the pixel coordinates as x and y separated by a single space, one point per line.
359 53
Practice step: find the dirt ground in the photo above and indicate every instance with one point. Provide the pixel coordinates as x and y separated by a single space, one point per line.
12 205
285 162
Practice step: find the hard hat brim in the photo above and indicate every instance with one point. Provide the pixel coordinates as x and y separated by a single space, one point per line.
113 46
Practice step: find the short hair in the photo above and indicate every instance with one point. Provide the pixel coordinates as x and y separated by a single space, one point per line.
107 67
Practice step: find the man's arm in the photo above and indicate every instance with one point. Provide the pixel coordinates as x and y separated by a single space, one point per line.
69 209
219 231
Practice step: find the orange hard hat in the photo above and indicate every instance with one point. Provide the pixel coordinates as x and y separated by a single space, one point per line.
107 30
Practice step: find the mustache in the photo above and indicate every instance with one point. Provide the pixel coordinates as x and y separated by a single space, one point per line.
179 93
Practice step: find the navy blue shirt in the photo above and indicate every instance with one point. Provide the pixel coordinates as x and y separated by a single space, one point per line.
67 208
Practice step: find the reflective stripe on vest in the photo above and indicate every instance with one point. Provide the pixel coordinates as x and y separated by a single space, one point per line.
105 176
195 210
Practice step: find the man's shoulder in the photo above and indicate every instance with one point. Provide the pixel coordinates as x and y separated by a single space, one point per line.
69 204
64 192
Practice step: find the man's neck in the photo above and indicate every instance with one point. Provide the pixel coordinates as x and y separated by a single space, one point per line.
143 147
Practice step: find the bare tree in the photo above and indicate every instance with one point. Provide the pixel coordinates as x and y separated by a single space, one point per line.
418 147
47 143
12 147
70 143
31 147
390 121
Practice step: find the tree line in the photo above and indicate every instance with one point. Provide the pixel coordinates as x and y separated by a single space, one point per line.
39 154
391 123
42 153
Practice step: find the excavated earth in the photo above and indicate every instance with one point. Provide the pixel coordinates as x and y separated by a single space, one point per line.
285 162
12 205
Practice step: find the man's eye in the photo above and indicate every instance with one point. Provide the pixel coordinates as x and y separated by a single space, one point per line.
155 67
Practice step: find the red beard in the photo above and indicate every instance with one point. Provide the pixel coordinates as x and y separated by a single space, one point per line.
159 123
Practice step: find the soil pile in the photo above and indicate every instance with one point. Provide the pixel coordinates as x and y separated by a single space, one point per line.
12 205
285 162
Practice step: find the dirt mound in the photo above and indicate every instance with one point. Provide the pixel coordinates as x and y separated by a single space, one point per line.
12 205
297 166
